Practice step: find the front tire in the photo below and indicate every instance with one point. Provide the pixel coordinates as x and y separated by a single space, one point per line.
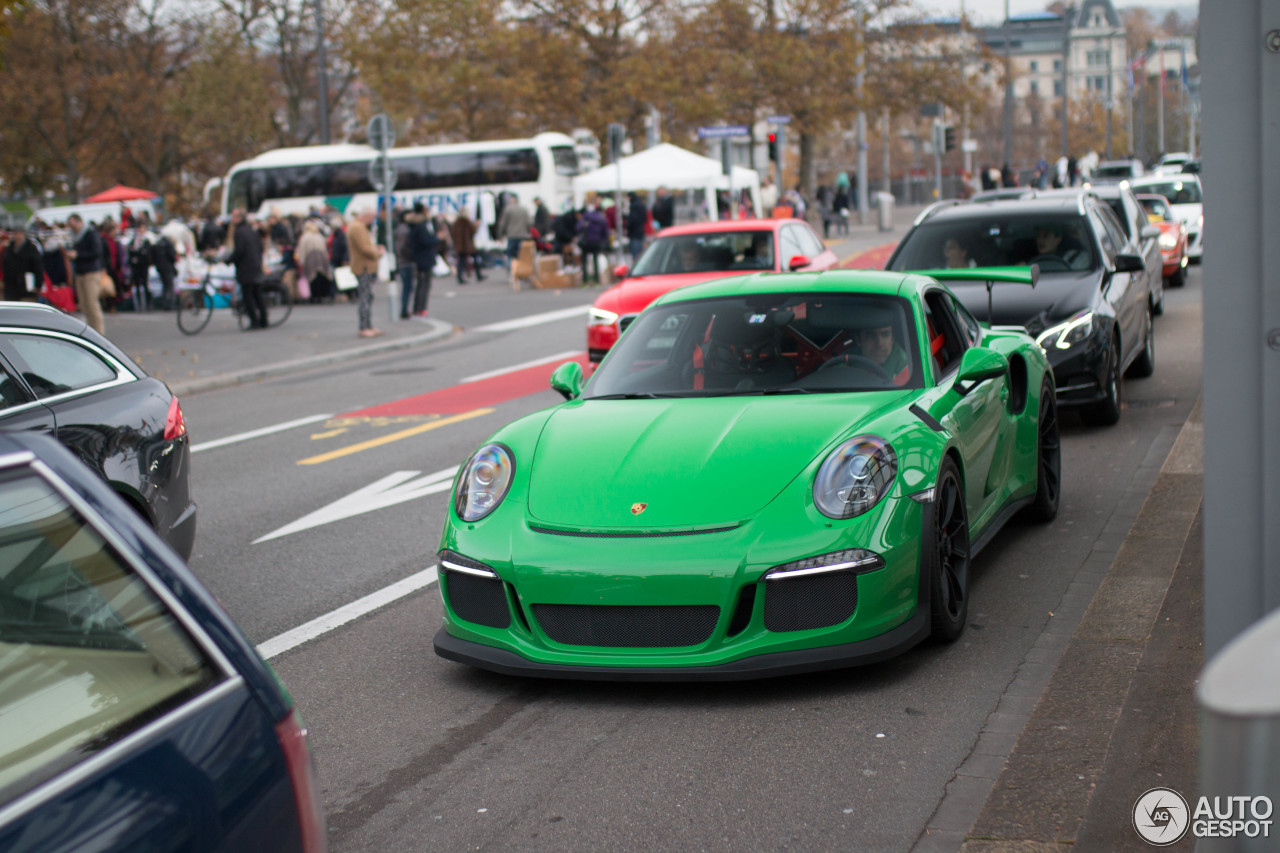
1044 506
1107 411
1145 364
949 546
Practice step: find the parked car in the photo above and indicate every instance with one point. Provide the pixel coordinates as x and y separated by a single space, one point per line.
1143 236
1115 171
134 714
689 254
1186 200
1172 163
60 377
768 475
1090 309
1173 238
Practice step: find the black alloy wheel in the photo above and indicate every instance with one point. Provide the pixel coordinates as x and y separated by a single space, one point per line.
949 578
1044 506
1106 411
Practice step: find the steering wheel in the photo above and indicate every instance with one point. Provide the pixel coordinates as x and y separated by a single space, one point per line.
1049 259
859 361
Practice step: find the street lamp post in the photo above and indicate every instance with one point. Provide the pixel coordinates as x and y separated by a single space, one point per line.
322 76
1008 91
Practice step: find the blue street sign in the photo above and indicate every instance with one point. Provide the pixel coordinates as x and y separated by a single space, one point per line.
721 131
779 119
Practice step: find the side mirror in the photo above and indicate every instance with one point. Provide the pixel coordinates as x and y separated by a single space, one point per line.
1129 263
1150 232
567 379
798 262
620 272
979 364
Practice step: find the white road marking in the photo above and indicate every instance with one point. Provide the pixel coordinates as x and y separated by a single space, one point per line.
563 356
282 643
257 433
390 490
534 319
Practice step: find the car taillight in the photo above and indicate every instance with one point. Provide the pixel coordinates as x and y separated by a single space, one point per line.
174 425
302 774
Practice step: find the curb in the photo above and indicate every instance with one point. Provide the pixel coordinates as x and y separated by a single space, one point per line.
439 331
1029 781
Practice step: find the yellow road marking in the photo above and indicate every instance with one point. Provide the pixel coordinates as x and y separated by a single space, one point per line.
330 434
395 436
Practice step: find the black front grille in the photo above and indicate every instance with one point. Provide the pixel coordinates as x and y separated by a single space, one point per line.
476 599
627 626
810 601
642 534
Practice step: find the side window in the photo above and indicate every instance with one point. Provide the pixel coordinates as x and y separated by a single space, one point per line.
946 344
1114 231
55 366
91 653
791 246
812 244
11 391
1106 236
969 327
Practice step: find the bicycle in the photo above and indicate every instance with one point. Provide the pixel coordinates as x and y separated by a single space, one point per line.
196 304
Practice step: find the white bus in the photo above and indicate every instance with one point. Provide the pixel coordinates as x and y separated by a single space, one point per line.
445 178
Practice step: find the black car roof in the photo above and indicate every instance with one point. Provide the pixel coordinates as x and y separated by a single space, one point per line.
30 315
1064 201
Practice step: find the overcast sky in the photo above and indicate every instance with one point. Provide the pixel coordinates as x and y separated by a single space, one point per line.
992 11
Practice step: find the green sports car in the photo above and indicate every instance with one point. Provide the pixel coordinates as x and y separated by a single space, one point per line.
767 475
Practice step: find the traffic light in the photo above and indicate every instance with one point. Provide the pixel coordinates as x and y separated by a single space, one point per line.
617 135
949 137
773 148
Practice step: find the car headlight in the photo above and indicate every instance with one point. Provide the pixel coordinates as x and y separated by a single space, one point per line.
855 477
1168 241
1064 335
485 479
601 317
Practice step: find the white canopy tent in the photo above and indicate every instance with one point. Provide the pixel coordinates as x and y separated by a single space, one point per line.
669 166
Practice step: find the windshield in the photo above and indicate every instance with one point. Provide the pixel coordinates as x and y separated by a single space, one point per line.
720 251
1055 241
1156 208
1115 170
776 343
1178 192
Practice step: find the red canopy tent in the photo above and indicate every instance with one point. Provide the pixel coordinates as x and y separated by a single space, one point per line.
120 193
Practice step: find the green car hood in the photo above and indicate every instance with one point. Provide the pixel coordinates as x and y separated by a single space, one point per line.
692 463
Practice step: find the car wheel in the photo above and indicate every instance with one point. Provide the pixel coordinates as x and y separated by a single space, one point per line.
1178 279
1107 411
1145 364
1157 305
949 575
1044 506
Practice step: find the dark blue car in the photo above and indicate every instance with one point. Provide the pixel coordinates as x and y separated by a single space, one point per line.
134 714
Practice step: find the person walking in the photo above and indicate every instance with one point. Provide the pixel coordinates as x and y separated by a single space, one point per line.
463 232
364 265
164 257
513 226
246 257
593 236
405 267
87 261
637 218
22 259
313 261
423 244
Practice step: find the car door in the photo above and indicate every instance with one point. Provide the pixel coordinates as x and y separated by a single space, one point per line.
19 409
973 415
1123 291
1135 222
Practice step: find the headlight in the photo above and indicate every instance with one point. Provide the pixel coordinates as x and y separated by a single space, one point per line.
858 560
855 477
484 482
1168 241
601 317
1063 335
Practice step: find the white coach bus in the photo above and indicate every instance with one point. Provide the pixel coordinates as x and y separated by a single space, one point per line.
445 178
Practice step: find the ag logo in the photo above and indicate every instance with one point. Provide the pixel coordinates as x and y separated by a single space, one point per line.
1161 816
638 508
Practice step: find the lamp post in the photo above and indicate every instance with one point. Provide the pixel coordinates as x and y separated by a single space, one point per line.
1008 92
322 76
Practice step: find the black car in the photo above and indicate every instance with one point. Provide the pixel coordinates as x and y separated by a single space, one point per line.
134 714
1144 237
1091 310
60 377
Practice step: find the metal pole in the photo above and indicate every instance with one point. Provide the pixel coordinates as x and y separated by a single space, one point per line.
1067 14
392 280
862 120
887 185
322 76
1008 92
1160 102
1110 99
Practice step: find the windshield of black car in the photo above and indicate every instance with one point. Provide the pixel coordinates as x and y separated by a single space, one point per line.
777 343
1178 192
720 251
1123 170
1000 240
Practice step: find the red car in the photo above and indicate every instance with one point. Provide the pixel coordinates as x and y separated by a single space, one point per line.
1173 239
689 254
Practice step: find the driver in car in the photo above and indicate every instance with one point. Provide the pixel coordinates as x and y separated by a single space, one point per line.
1049 241
878 344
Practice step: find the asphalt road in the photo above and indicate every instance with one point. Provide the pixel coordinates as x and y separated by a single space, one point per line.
417 753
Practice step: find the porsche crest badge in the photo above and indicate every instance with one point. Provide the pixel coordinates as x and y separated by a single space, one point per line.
638 508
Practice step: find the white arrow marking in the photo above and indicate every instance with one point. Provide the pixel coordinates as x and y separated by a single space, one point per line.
389 491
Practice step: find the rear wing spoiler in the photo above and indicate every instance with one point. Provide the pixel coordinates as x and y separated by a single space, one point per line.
988 276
